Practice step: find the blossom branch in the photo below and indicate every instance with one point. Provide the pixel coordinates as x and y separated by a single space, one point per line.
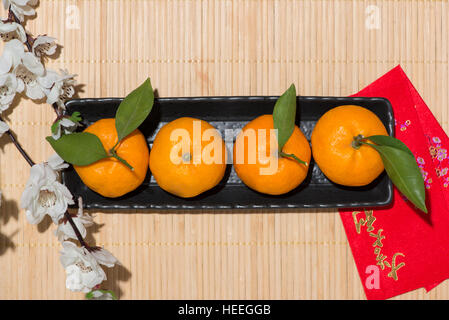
67 215
29 43
22 71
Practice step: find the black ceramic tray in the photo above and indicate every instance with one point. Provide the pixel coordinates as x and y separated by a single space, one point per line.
233 113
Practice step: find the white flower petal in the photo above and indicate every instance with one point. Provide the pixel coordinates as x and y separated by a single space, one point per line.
56 162
65 230
40 45
104 257
5 63
20 86
8 27
33 64
53 95
34 218
49 79
83 271
13 27
8 82
11 57
34 91
44 195
21 2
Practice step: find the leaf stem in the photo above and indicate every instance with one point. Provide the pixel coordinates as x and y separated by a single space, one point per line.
367 143
115 146
116 156
288 155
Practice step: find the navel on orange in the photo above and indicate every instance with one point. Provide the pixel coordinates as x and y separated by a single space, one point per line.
188 157
110 177
256 159
337 156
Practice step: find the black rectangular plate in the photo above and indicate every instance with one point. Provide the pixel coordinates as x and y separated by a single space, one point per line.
233 113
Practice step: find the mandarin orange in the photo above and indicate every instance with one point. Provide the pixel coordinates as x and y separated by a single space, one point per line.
334 150
110 177
256 159
188 157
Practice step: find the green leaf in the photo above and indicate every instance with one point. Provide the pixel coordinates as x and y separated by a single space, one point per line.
134 109
75 117
91 295
284 115
391 142
54 127
80 149
405 174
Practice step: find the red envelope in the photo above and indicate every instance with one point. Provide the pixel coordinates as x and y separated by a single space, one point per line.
399 248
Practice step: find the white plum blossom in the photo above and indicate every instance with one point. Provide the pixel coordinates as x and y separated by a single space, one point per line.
20 8
25 67
44 194
44 46
8 90
3 127
60 87
65 230
82 269
12 30
22 71
27 74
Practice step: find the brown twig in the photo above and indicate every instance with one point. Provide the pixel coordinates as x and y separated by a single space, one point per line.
77 232
19 147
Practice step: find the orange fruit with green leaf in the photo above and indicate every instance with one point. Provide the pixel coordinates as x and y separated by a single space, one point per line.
352 148
335 151
184 164
110 177
273 163
270 173
111 155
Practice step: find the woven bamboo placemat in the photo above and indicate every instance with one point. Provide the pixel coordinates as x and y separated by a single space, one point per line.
197 48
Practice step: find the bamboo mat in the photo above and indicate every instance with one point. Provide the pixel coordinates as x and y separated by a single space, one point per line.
196 48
